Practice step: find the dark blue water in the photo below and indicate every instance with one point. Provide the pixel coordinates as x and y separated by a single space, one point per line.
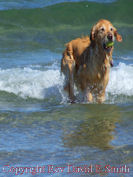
17 4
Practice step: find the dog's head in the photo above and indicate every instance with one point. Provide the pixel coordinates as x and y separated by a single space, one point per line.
103 33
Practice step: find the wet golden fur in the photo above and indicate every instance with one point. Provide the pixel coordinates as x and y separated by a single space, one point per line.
86 62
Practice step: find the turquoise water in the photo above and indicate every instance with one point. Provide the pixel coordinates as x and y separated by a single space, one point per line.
37 125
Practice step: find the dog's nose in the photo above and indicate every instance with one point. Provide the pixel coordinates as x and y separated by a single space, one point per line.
110 37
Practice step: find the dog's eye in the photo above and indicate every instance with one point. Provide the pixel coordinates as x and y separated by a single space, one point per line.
102 29
111 29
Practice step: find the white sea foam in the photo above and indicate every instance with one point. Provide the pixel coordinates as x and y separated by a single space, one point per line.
29 82
121 80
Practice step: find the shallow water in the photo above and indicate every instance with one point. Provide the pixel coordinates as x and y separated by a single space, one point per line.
38 128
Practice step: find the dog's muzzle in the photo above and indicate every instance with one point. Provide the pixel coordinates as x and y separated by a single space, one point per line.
109 40
106 48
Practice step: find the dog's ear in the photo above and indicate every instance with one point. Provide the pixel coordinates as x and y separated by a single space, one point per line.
92 34
118 36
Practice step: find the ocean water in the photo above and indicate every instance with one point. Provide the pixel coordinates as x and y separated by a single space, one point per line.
40 133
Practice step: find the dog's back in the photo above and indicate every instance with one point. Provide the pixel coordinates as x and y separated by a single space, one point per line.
74 50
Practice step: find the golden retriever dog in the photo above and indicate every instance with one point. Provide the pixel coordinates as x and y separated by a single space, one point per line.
86 62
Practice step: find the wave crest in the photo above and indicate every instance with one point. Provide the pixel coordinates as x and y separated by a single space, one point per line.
29 82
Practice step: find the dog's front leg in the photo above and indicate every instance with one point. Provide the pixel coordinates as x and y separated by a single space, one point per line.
101 96
88 95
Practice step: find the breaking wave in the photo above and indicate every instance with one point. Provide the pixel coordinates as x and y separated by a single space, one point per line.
34 83
121 80
28 82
